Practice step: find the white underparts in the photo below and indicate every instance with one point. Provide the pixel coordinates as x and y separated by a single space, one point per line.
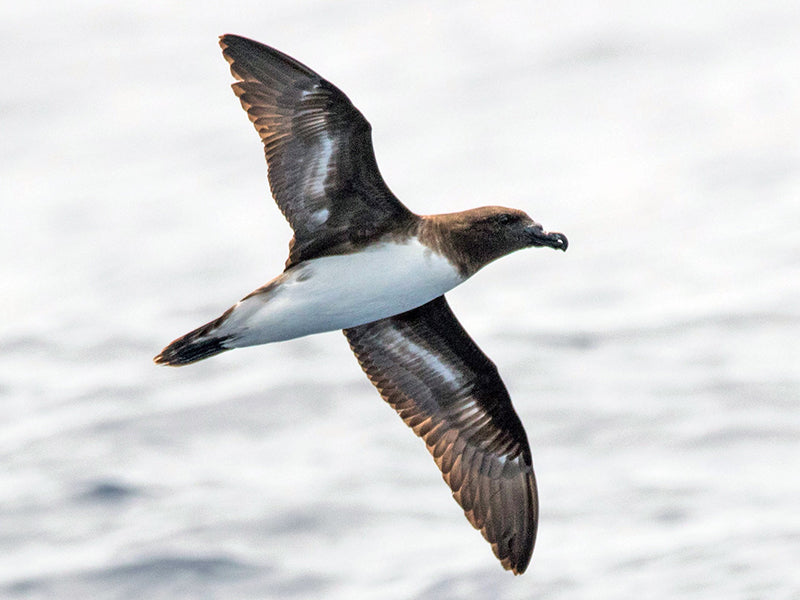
337 292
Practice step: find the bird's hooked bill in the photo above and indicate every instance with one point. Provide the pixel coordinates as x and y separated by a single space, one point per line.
540 237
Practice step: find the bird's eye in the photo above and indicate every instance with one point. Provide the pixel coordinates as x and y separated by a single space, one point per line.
504 219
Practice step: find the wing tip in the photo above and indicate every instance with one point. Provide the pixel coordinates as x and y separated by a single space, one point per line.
520 558
515 552
518 568
225 42
253 54
228 39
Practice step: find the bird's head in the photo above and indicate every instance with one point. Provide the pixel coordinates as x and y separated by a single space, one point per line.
485 234
512 229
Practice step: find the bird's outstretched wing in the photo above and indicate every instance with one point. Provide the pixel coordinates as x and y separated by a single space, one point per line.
431 372
322 168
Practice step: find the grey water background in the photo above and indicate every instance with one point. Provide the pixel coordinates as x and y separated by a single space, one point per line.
656 364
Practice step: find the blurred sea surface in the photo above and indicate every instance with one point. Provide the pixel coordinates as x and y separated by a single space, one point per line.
656 364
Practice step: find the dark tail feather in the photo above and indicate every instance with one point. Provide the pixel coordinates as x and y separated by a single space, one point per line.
195 345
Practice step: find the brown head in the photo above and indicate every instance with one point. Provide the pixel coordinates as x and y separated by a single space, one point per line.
476 237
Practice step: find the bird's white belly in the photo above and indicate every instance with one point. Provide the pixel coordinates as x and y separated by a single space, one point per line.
337 292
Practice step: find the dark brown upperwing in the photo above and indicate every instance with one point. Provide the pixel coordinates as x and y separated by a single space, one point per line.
431 372
322 168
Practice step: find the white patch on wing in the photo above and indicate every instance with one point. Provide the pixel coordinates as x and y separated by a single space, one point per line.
320 167
319 217
469 410
431 360
341 291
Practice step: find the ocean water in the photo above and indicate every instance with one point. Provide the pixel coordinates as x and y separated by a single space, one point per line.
656 364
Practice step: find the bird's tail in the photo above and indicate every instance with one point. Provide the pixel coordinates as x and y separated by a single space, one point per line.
196 345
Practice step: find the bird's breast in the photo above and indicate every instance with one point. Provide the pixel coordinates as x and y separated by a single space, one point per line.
347 290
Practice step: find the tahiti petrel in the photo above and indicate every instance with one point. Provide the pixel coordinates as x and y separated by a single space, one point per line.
362 262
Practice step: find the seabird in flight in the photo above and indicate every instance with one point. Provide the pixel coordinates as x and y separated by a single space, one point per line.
362 262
